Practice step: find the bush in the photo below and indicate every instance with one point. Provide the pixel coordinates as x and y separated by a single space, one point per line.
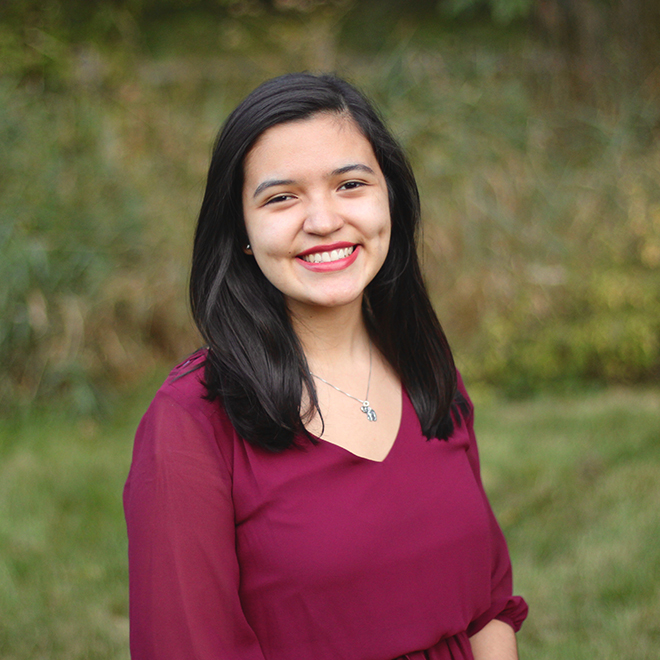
542 235
542 211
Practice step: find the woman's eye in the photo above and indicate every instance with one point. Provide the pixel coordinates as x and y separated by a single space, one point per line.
351 185
279 198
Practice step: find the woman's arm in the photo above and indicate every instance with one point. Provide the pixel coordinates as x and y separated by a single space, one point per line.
495 641
183 568
492 633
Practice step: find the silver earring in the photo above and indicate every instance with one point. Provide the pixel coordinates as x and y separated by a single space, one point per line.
247 247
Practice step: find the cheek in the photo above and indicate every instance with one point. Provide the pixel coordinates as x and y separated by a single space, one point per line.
260 233
270 268
386 231
272 244
375 218
272 235
386 216
386 237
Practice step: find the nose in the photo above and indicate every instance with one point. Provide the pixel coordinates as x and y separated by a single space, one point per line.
322 217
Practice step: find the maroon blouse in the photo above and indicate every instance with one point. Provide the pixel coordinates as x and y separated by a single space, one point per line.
237 553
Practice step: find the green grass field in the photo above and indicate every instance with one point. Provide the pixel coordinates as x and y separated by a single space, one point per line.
575 483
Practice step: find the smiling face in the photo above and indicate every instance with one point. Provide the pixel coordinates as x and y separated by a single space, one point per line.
316 211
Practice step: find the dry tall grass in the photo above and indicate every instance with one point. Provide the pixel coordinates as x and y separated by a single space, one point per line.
542 239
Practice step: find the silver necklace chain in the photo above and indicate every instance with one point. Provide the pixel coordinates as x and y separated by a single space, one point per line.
364 407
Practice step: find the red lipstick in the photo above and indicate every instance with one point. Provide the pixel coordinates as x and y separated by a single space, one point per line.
326 248
329 266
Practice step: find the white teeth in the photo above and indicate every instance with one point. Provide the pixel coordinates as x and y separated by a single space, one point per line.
326 257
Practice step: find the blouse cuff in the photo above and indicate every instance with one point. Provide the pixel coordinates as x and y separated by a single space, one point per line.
512 610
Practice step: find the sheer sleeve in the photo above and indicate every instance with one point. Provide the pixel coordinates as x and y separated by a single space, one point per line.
504 605
183 570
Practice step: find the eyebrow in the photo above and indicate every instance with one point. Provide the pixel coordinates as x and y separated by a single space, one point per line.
271 183
351 168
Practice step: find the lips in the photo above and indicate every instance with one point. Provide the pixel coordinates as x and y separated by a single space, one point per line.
328 256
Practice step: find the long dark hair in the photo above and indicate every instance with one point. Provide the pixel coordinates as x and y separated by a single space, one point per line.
255 363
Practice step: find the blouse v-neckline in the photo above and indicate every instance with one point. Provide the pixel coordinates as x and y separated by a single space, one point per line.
395 442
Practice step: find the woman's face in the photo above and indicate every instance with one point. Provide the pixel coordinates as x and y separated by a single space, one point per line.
316 210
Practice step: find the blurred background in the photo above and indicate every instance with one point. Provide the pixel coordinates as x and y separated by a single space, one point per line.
533 127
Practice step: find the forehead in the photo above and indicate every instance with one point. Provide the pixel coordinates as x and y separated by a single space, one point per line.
324 138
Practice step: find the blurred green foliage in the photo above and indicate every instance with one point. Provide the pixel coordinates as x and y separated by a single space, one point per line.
67 221
543 243
503 11
536 153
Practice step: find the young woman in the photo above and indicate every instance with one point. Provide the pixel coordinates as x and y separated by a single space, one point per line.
307 486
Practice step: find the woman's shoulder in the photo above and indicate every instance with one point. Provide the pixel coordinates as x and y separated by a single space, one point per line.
188 375
184 387
182 420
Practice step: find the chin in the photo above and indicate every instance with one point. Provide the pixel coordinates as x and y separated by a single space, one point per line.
324 302
340 301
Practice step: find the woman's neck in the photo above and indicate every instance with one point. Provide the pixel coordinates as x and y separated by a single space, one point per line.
331 336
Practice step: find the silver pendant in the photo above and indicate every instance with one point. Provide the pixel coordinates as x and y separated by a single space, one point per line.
368 411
